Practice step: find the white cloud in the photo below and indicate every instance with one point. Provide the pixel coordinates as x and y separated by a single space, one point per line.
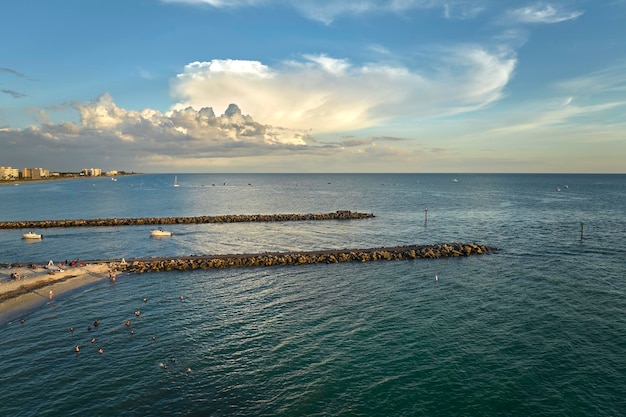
327 11
328 94
609 80
219 3
542 13
106 130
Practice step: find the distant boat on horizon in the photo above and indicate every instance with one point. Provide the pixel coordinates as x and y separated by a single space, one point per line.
176 184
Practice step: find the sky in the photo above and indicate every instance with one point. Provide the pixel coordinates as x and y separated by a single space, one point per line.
254 86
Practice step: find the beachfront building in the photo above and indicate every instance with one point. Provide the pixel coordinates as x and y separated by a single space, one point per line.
8 173
112 173
35 173
91 172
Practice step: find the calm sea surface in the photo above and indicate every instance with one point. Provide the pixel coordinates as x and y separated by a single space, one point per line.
538 328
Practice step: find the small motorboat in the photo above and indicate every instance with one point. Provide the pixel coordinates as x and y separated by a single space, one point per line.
160 233
31 235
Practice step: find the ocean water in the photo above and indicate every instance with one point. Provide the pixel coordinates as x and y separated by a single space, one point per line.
536 328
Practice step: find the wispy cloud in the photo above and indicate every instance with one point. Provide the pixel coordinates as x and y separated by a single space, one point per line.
606 81
541 13
220 3
327 11
463 10
12 71
15 94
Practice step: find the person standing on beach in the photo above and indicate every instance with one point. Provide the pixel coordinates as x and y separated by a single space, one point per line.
50 295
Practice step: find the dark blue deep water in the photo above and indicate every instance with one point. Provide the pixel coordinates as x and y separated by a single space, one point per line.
538 328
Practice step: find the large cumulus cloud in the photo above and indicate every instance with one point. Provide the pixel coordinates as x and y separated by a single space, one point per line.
328 94
106 132
294 110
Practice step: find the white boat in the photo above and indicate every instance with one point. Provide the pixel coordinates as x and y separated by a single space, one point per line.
160 233
455 180
31 235
113 179
176 182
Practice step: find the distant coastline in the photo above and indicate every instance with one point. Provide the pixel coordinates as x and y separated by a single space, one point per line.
64 177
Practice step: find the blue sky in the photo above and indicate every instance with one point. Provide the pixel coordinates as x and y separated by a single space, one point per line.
314 85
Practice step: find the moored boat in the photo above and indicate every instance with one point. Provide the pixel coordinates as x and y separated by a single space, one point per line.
31 235
160 233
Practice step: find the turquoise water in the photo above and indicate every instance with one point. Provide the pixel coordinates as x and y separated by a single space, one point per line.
539 328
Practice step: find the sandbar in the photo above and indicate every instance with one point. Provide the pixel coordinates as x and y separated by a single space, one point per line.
35 282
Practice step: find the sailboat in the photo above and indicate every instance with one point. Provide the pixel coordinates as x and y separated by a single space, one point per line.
176 181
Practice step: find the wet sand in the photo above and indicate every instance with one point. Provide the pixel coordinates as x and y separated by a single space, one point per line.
35 283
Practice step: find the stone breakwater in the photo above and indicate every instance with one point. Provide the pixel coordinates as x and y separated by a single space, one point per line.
443 250
232 218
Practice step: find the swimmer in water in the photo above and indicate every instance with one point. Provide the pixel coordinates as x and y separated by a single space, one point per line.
77 349
137 313
93 340
100 351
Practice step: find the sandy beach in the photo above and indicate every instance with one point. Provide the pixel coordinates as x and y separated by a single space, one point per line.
40 284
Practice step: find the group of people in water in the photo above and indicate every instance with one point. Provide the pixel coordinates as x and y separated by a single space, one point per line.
127 324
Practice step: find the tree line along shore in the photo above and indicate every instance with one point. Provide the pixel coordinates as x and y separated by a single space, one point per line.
236 218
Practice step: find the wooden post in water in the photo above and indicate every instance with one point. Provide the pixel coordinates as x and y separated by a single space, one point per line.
582 230
426 215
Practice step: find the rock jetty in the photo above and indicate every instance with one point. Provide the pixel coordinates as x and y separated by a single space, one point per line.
231 218
441 250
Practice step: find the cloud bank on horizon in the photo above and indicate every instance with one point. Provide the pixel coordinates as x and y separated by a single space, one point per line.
441 105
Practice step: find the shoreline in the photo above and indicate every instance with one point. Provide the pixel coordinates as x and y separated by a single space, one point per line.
32 289
62 178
